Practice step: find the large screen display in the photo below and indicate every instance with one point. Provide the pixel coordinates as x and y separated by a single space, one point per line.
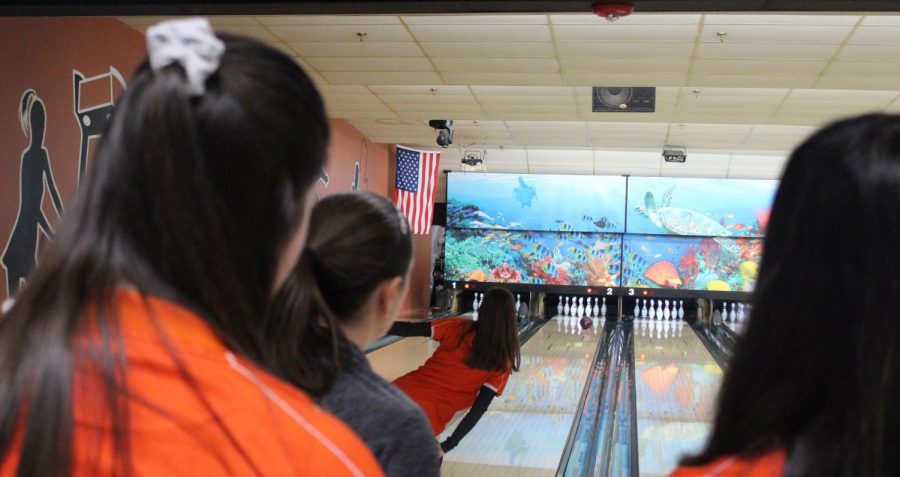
691 263
536 202
699 207
539 258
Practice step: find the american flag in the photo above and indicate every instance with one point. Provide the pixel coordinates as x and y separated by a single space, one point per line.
414 191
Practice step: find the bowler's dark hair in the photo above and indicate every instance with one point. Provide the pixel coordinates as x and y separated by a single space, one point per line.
495 337
356 241
188 198
817 372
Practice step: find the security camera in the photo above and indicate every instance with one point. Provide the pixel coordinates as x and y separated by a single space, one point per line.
445 131
674 153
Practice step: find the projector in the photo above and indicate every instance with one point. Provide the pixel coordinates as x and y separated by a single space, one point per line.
674 153
473 158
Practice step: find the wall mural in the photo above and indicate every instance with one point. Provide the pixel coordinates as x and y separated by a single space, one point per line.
94 118
36 174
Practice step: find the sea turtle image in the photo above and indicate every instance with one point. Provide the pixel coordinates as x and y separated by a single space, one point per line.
525 194
683 221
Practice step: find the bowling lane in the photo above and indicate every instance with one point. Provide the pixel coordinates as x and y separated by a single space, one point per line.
524 431
677 382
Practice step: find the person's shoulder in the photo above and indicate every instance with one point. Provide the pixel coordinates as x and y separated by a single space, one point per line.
769 464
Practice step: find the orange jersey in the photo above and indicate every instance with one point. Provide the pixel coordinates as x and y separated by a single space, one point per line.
767 465
243 422
445 385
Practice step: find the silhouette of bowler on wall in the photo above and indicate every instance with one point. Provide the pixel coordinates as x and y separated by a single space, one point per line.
20 255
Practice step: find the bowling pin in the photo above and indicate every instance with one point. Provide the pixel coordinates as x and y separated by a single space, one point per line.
518 302
733 313
652 309
659 311
666 311
580 306
603 308
596 308
559 307
680 309
740 312
724 311
637 308
566 308
644 309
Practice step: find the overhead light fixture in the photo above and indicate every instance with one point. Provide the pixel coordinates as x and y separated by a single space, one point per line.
445 131
674 153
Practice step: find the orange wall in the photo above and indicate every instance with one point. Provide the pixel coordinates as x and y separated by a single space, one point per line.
41 54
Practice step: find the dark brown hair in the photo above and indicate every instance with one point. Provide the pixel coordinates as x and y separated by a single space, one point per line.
356 241
495 344
817 372
189 198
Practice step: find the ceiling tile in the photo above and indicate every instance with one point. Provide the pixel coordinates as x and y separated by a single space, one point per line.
860 68
400 64
869 53
482 90
476 33
258 32
752 81
551 157
290 20
826 95
442 89
428 99
624 79
628 159
881 20
476 19
859 82
627 50
357 48
766 51
633 19
371 77
750 67
625 34
497 100
780 19
508 65
340 33
776 34
875 35
506 79
624 66
493 49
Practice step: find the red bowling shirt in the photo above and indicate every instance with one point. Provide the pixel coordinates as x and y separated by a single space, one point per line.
445 385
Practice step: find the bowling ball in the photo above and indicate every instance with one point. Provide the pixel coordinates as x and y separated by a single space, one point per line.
586 323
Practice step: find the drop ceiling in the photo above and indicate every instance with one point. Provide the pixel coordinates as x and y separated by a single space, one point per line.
726 83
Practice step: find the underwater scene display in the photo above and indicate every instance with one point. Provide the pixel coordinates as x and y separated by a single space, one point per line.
539 258
691 263
536 202
699 207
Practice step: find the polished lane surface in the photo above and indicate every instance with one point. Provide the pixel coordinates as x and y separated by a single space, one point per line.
677 382
524 431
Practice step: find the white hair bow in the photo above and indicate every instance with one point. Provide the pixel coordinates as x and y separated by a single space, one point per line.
190 42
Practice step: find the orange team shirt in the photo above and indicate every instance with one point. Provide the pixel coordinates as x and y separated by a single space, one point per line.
770 464
445 385
272 428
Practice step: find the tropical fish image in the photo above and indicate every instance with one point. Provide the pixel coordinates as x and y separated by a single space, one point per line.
587 204
699 207
691 263
533 258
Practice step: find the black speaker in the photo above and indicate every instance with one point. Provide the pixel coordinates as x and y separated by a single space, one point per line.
440 214
624 99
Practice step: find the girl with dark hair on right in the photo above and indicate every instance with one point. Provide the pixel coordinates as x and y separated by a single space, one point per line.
344 294
136 345
814 384
468 369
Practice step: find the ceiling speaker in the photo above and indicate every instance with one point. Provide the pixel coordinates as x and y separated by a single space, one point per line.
624 99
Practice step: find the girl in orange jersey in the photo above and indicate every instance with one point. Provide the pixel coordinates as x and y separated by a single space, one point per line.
813 386
132 348
469 368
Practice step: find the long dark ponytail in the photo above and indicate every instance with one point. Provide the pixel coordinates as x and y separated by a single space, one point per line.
495 344
188 198
356 241
817 372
